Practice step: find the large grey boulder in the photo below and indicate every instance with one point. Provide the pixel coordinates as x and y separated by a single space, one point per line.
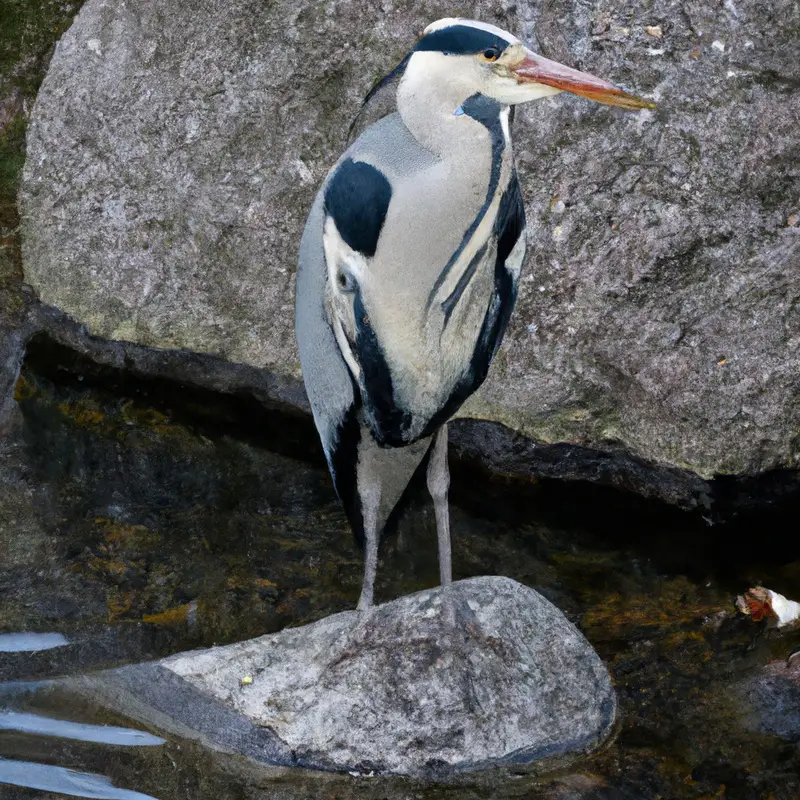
175 148
485 673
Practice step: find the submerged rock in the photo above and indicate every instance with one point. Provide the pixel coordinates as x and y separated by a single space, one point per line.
770 700
173 154
486 673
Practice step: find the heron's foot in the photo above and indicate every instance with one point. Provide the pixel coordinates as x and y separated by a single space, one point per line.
458 618
366 601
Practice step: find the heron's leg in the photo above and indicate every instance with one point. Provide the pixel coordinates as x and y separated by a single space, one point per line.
438 484
369 490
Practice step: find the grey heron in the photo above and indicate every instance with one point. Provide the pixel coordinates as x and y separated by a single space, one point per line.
409 264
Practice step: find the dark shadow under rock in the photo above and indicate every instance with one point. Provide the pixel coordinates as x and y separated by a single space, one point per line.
258 406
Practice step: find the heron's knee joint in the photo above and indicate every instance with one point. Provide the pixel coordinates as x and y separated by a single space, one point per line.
438 489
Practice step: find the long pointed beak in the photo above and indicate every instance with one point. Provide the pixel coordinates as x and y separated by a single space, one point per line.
537 69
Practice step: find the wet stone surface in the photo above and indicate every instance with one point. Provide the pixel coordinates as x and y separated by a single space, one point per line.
139 523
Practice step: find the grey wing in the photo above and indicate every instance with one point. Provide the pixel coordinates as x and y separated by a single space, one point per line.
350 207
355 203
347 217
329 384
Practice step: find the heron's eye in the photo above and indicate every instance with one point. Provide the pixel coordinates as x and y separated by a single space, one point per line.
491 54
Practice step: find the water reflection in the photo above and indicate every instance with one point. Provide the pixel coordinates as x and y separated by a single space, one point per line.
30 642
102 734
64 781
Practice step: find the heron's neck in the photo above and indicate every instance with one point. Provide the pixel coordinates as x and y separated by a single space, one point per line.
434 108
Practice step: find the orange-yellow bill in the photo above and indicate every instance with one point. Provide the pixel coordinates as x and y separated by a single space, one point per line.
537 69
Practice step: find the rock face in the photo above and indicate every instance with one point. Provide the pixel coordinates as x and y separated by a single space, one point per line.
175 150
433 683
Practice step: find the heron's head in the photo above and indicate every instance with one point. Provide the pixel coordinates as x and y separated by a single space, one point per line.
475 57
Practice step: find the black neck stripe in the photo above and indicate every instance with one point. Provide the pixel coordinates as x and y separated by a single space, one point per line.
461 40
486 111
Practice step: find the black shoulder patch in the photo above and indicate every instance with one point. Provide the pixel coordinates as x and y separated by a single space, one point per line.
357 197
461 40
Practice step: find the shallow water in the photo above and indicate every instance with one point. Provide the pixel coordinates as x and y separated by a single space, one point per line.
25 642
138 520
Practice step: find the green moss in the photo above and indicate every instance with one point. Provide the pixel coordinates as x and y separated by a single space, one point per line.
28 31
574 423
12 157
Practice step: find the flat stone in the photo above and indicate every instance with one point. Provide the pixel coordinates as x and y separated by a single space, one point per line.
486 673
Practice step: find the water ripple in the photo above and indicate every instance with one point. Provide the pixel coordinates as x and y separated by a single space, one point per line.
26 642
47 778
102 734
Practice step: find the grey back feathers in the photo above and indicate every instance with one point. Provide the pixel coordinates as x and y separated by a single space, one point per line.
380 101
